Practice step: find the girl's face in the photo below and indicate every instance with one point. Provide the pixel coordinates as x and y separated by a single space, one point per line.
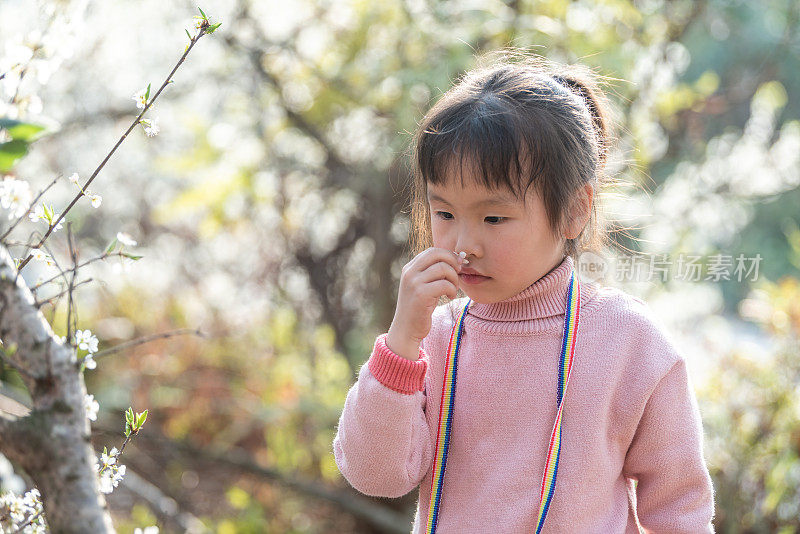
508 242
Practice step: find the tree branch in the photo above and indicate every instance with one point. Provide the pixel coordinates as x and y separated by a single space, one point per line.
340 172
381 517
146 339
164 506
119 142
51 441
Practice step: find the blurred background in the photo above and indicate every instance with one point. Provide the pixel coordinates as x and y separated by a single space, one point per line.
271 212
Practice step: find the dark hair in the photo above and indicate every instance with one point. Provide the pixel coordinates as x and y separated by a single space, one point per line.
521 121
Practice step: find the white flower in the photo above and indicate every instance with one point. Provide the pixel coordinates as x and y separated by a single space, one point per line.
110 458
60 224
32 498
150 127
74 178
38 255
139 98
147 530
96 200
80 335
90 362
17 508
125 239
111 477
37 213
91 406
86 341
106 485
15 195
119 472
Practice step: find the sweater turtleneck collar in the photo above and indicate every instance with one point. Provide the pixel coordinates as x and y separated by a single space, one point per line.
546 297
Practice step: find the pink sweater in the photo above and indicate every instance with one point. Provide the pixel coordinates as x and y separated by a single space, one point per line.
629 413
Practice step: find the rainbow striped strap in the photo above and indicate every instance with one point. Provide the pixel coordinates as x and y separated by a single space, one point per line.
445 419
448 394
564 371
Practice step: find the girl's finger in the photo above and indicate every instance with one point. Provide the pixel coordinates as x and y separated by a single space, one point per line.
439 271
444 287
432 255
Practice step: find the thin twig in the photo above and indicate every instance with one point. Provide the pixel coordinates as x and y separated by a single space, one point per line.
27 64
119 453
164 506
147 106
4 357
74 258
61 271
35 200
146 339
91 260
40 303
385 519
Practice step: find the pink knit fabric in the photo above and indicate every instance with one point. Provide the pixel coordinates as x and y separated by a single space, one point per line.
629 413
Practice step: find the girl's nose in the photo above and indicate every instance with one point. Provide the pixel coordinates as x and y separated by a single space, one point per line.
468 243
469 251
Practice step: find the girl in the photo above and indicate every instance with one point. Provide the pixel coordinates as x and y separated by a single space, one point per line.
537 402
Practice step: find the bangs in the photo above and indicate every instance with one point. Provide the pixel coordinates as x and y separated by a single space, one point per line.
489 143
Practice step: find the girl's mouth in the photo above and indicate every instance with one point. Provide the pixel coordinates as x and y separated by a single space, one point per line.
472 278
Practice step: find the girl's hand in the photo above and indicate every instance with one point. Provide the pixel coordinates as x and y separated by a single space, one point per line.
429 275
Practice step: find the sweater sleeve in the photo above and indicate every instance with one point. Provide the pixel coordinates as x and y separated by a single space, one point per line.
674 492
383 444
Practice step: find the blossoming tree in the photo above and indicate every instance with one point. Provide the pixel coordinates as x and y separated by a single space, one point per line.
51 440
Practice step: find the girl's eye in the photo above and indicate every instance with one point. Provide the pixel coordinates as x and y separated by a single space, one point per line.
493 220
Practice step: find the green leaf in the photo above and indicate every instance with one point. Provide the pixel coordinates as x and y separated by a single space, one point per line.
10 152
204 15
129 416
187 34
147 94
111 246
24 131
131 256
213 27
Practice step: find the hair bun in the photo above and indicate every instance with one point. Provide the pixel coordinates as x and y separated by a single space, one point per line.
594 100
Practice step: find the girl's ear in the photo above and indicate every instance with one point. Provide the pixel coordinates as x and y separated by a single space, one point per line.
580 211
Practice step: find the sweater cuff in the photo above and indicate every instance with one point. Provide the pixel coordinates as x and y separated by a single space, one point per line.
394 371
